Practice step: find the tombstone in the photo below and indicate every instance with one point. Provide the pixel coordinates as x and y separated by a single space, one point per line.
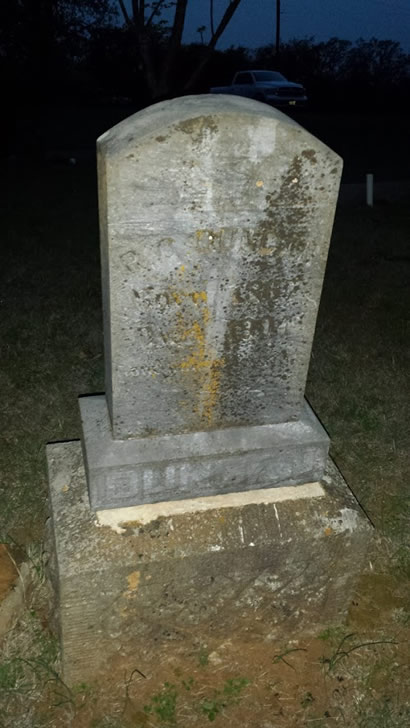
215 220
203 492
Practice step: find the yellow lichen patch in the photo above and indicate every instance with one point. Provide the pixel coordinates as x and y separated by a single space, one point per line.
212 389
199 296
195 332
259 183
177 297
133 580
196 296
204 367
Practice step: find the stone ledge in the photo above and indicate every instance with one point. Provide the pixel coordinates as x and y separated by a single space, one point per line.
289 566
154 469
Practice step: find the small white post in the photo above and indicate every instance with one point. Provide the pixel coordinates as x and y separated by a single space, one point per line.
369 190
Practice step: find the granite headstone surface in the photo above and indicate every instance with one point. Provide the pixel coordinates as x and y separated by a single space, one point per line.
215 220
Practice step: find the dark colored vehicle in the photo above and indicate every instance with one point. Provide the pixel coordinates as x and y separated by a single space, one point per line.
268 86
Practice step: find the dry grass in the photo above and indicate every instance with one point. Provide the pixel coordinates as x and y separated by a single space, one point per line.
51 330
359 379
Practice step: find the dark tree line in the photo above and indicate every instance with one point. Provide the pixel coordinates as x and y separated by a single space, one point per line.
105 49
43 42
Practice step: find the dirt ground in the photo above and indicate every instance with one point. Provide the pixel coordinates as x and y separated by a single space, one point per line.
8 571
352 674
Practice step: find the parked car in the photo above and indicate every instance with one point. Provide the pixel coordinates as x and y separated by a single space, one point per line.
268 86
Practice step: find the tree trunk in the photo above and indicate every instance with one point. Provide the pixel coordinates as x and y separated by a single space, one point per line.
168 65
226 18
160 81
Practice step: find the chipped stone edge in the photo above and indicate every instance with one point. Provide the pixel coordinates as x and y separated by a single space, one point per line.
143 514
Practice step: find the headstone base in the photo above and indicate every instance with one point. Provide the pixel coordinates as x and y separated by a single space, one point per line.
172 467
289 562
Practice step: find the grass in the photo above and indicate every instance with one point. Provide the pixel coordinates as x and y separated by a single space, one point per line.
360 139
222 699
345 648
384 715
359 383
164 704
282 657
29 672
359 379
50 331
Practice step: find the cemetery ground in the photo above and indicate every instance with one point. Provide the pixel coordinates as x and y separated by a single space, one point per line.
352 674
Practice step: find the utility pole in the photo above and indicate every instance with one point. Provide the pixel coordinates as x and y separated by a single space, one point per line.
277 44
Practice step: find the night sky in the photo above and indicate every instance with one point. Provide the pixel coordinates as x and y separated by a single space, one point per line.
254 22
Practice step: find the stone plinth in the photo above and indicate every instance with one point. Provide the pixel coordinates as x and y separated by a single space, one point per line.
286 557
170 467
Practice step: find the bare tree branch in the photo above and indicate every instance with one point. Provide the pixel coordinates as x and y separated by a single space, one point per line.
173 44
155 9
144 43
178 26
124 12
211 17
227 16
138 12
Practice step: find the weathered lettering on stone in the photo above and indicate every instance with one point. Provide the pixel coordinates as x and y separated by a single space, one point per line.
215 218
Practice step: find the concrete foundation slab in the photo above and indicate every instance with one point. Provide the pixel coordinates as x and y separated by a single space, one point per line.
289 563
172 467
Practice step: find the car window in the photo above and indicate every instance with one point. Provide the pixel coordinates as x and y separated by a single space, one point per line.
243 78
268 76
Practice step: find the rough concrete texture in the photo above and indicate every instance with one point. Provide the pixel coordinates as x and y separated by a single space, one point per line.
288 566
215 220
171 467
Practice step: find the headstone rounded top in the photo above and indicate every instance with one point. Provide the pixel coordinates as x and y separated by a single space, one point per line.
180 111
